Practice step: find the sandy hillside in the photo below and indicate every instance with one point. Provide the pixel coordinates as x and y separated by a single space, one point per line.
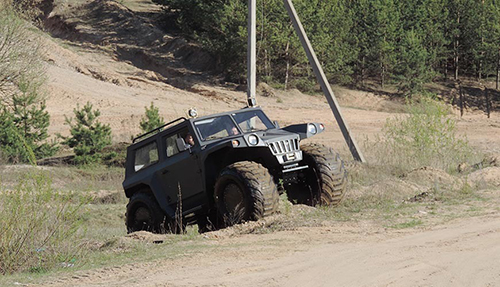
115 57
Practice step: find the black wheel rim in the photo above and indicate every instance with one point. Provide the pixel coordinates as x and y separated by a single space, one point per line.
234 201
142 219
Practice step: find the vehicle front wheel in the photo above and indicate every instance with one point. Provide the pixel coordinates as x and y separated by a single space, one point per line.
325 181
245 191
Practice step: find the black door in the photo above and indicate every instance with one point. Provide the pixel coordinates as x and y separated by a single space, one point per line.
182 173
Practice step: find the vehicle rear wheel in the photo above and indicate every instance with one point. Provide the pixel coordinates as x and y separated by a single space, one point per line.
245 191
325 181
144 213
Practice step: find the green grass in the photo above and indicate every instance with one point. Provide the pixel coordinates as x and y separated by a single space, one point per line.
102 241
410 224
39 225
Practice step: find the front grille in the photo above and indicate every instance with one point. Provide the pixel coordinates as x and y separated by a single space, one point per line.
284 146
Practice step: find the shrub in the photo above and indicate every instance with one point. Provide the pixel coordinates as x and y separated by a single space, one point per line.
151 119
88 136
38 226
20 60
425 137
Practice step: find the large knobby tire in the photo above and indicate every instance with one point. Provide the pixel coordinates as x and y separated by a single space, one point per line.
144 213
245 191
326 177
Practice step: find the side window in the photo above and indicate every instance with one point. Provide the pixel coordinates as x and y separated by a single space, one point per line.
172 145
146 156
171 141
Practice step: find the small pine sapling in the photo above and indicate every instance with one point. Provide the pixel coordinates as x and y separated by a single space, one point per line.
88 136
151 119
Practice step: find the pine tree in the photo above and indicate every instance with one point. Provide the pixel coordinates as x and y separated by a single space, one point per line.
278 50
330 25
24 125
360 36
412 70
88 136
491 44
11 143
151 119
427 20
381 24
462 16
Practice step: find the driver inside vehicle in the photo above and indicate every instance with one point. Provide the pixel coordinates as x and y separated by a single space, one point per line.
188 139
234 131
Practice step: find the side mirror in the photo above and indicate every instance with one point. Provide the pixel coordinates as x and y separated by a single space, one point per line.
181 145
276 124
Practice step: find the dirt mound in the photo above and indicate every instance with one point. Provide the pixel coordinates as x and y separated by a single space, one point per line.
387 188
243 228
265 90
122 243
149 237
278 222
492 160
489 176
432 177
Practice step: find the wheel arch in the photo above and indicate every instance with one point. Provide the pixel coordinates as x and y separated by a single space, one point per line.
154 193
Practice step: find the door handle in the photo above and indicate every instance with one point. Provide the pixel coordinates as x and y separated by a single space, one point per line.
165 171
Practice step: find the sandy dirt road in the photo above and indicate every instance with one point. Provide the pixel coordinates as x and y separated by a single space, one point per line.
463 253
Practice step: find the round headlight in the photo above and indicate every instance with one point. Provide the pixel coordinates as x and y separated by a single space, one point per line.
193 113
253 140
312 129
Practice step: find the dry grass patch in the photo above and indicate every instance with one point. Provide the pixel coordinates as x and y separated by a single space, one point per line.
38 226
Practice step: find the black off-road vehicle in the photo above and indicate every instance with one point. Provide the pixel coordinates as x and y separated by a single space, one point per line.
223 169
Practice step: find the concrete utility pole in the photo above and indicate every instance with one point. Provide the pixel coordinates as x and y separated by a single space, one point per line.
252 53
323 81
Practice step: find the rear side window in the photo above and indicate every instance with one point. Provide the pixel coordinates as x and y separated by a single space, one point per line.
146 156
172 145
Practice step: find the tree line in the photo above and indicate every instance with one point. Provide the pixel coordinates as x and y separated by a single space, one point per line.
403 42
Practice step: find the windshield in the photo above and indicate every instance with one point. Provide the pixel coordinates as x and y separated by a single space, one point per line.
252 121
216 128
